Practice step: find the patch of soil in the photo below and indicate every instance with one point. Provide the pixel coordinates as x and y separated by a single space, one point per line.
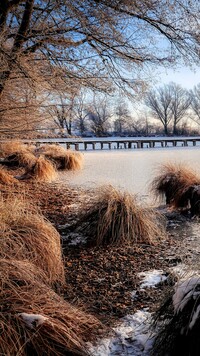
104 279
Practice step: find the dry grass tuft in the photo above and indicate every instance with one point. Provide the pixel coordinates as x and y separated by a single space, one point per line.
10 147
116 218
6 178
174 184
27 235
73 161
63 159
21 159
17 154
51 149
26 159
35 320
42 171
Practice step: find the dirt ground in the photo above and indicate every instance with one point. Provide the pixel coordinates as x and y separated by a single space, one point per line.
105 281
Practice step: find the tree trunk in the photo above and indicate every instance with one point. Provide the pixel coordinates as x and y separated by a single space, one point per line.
166 129
18 42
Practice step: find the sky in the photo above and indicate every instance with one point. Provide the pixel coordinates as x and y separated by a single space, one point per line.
184 76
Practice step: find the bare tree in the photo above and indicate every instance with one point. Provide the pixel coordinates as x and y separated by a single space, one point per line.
62 110
89 40
159 102
122 115
99 115
195 103
180 104
81 114
140 126
22 110
168 104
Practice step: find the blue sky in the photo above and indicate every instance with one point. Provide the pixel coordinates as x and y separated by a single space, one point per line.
183 76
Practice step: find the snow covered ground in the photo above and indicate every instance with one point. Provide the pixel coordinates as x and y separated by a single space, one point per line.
131 337
134 335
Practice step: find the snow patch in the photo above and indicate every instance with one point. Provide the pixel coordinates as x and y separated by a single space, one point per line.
131 337
33 320
152 278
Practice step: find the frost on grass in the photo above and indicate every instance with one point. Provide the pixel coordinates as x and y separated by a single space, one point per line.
185 291
195 317
150 279
33 320
131 337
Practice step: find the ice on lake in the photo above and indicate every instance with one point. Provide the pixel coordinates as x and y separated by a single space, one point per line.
131 170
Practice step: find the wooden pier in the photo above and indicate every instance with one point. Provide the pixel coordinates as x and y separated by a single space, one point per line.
119 143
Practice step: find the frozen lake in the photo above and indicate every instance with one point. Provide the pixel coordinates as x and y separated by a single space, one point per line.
129 170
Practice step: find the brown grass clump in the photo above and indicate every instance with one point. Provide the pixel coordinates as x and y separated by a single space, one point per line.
17 154
51 150
26 159
8 148
20 159
27 235
175 184
34 320
115 218
63 159
42 171
74 161
6 178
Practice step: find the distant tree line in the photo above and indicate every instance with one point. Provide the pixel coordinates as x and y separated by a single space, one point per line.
166 110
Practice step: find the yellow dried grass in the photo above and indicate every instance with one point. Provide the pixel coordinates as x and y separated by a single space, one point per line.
9 147
35 320
51 150
116 218
63 159
26 159
174 183
42 171
25 234
73 161
6 178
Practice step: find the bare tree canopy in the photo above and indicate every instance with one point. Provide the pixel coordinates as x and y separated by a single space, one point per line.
195 103
179 104
89 40
168 104
122 115
99 115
